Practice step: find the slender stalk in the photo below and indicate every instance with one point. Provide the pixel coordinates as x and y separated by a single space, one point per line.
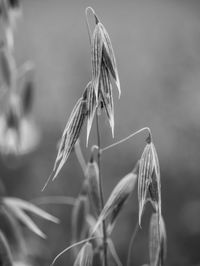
127 138
101 191
72 246
131 244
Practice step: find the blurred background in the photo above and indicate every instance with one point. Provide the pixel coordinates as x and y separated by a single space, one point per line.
157 47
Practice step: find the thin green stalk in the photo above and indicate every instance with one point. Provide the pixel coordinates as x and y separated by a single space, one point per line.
101 191
131 244
127 138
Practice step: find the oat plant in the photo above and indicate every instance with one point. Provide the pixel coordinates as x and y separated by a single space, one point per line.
93 219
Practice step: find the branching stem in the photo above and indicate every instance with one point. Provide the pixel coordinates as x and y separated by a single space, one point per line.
127 138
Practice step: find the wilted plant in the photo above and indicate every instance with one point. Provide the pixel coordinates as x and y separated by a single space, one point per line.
92 219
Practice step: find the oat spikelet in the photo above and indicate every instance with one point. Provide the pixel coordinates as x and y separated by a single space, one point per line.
109 56
155 185
69 137
97 44
91 107
85 256
157 241
118 197
106 96
145 173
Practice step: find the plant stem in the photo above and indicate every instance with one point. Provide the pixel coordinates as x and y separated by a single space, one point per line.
127 138
131 244
101 191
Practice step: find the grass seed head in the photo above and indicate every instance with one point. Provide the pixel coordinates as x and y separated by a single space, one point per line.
91 107
144 177
97 44
155 185
106 95
149 179
108 56
70 135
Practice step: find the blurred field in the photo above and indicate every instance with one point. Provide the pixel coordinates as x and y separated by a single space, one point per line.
157 46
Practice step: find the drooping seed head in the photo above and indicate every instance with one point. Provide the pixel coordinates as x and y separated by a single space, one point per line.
97 44
70 135
155 185
91 107
108 56
149 179
144 177
106 95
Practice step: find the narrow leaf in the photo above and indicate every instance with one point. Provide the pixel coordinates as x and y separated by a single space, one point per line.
113 253
27 206
11 228
25 219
